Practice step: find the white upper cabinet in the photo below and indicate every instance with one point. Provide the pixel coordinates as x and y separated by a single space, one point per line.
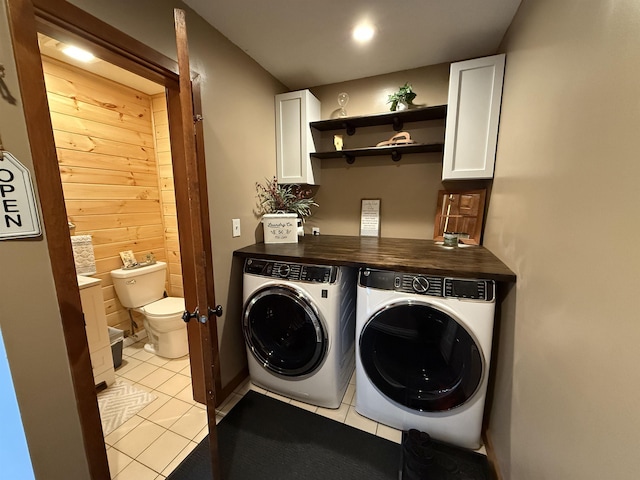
294 141
475 95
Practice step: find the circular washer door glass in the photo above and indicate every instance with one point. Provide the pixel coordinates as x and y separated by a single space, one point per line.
284 332
421 357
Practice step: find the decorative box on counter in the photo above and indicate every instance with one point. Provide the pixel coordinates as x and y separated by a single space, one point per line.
280 227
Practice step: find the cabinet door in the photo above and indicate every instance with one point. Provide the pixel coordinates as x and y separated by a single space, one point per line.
94 317
475 95
294 141
97 334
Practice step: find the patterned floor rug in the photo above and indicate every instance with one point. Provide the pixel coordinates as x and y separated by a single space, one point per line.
119 402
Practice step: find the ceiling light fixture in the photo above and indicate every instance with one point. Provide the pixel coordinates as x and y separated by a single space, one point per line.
78 53
363 33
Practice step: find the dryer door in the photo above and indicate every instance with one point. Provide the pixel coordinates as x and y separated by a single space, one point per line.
421 357
284 331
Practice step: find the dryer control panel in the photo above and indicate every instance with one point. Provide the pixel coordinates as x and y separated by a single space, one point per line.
472 289
291 271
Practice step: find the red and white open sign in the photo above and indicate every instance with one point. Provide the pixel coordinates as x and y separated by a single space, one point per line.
18 209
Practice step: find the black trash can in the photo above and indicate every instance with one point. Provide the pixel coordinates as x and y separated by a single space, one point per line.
116 338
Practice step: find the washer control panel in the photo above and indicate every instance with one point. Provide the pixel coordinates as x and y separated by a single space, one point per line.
472 289
298 272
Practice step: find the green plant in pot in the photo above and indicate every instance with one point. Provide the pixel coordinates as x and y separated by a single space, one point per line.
402 99
275 198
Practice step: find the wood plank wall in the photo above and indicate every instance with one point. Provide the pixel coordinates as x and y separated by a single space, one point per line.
167 193
104 134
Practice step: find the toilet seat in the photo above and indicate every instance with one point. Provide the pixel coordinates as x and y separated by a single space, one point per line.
164 308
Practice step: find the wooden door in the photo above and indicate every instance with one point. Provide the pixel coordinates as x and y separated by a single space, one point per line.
200 300
59 18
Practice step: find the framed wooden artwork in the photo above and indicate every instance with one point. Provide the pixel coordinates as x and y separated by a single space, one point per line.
460 212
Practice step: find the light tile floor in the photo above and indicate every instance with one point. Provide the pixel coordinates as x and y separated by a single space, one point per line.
150 445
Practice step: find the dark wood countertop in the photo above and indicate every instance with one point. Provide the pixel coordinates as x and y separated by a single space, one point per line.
397 254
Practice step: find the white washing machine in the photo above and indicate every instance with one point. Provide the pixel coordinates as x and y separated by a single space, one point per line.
299 329
423 347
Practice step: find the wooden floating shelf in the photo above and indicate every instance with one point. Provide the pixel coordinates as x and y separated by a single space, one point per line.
397 119
396 151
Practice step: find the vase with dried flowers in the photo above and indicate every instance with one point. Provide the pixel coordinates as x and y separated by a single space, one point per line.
280 207
274 197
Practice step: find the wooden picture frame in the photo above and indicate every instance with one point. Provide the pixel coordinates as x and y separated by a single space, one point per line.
128 259
460 212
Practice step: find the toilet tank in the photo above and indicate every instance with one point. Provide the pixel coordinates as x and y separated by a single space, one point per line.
137 287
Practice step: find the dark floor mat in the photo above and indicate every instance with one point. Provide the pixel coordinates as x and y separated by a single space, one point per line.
263 438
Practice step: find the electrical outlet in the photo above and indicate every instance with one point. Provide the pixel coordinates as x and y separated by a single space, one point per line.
235 224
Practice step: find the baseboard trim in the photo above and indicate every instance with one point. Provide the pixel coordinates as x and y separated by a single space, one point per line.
491 456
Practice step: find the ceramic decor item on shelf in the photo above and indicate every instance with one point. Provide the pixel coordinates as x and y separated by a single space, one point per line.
401 138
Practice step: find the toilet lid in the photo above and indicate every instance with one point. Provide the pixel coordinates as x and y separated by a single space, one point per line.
165 306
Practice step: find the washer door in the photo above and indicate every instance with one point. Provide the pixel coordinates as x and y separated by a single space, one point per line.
421 357
284 331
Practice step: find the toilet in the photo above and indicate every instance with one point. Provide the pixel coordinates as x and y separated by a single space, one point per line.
142 289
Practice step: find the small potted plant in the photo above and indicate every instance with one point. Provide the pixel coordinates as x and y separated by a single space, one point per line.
402 99
281 206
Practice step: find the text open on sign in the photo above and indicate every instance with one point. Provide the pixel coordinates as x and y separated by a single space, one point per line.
18 209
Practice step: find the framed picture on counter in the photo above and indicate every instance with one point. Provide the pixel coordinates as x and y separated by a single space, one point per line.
370 217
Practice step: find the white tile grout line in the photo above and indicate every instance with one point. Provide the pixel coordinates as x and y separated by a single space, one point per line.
221 410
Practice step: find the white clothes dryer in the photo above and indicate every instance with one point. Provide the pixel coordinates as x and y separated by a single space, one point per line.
299 329
423 347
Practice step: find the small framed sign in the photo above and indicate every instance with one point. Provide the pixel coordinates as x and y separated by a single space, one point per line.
370 217
128 259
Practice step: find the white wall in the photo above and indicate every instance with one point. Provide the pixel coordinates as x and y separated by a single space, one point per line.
564 217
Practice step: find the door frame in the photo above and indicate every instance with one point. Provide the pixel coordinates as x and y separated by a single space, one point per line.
68 22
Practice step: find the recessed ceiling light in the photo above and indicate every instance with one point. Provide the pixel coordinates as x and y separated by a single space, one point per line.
78 53
363 33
